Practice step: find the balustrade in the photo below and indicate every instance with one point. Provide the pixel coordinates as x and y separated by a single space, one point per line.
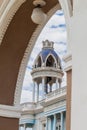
57 92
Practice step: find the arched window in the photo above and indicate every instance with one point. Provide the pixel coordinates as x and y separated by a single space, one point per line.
39 62
50 61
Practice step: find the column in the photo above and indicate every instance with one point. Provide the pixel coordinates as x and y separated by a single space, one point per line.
47 123
54 122
21 127
56 83
62 121
43 87
24 126
37 92
46 88
33 93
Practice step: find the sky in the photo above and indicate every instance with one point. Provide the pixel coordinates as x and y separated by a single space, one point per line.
54 30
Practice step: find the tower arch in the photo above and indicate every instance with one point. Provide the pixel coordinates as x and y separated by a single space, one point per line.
50 62
38 62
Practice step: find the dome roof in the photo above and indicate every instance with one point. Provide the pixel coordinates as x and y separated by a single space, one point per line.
47 52
48 56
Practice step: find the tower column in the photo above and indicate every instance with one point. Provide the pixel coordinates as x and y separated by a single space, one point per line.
43 87
56 83
33 93
37 92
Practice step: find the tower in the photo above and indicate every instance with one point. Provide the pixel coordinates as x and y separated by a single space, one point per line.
46 70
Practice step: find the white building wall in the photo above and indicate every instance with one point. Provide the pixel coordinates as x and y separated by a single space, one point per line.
79 66
38 123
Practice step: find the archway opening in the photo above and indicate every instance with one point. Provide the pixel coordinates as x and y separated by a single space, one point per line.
54 30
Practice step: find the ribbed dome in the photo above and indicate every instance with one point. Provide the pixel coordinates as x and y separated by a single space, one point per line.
47 52
48 57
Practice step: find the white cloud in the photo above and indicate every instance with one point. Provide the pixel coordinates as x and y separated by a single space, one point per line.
26 96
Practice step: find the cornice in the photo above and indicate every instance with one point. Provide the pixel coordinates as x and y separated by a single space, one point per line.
10 111
54 100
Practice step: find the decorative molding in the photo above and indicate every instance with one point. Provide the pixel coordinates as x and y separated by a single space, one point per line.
27 53
27 120
27 116
7 15
54 99
3 6
57 110
46 71
56 93
55 106
10 111
68 62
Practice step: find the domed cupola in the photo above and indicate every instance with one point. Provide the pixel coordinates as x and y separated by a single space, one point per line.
48 57
47 69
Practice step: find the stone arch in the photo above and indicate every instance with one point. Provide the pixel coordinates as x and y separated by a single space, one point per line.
7 18
28 51
27 54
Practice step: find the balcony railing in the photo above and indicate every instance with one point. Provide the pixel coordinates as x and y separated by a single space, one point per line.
28 106
58 92
32 106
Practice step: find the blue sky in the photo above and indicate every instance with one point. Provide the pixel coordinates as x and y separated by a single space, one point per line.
55 30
